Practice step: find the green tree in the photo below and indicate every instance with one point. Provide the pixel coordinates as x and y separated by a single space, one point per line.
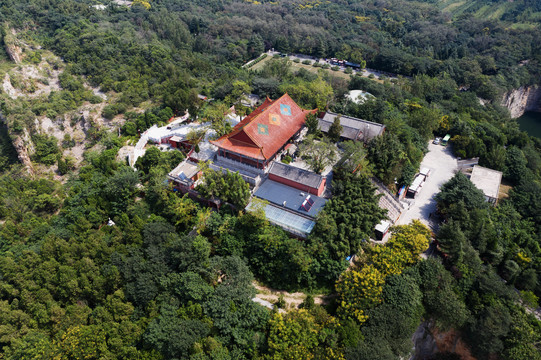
46 148
312 123
451 241
229 187
386 153
459 189
255 45
335 130
489 329
354 158
216 113
309 94
349 217
150 159
317 154
172 335
439 297
515 165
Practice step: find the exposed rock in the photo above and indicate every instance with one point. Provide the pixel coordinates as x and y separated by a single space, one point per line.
30 74
424 344
22 149
525 98
14 53
12 46
22 153
428 341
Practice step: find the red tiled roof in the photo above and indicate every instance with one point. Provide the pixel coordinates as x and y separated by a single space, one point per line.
262 133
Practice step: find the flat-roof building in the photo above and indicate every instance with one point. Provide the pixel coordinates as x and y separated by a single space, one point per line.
293 210
184 176
289 221
298 178
488 181
290 198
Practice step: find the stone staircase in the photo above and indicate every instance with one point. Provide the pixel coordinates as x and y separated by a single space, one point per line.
388 201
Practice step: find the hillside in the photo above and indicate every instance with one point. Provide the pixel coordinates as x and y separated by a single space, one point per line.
518 13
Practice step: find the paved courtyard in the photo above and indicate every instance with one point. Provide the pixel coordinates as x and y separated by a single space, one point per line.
442 165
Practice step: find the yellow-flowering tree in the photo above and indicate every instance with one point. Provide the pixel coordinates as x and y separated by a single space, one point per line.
362 290
300 334
144 3
402 250
359 291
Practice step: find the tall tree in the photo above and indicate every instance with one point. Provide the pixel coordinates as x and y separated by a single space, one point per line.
459 189
335 130
312 123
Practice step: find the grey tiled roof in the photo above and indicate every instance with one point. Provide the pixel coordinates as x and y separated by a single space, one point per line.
352 128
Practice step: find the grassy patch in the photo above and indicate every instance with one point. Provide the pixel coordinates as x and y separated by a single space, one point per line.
453 6
5 66
260 64
523 26
504 191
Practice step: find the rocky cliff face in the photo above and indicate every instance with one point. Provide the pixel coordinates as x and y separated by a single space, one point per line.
11 44
429 341
525 98
14 53
21 145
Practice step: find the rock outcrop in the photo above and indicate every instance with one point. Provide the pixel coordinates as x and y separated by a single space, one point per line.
21 147
11 44
22 153
14 52
525 98
429 341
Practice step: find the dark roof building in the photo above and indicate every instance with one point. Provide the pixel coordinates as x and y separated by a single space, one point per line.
289 208
352 128
298 178
261 135
289 198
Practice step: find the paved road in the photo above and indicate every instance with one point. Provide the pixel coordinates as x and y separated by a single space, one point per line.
442 165
364 72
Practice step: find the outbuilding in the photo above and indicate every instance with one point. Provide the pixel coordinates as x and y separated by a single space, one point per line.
416 185
488 181
297 178
352 128
184 176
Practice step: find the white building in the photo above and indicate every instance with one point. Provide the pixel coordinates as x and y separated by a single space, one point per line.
488 181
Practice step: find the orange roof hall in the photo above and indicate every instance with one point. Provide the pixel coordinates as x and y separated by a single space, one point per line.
261 135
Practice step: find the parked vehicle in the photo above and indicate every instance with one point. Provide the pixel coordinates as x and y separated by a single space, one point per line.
445 140
436 141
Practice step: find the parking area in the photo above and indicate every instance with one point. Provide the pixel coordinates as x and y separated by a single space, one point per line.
442 165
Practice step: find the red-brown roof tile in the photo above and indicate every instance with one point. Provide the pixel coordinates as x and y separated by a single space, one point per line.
262 133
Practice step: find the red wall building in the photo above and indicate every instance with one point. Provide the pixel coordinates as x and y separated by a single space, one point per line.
297 178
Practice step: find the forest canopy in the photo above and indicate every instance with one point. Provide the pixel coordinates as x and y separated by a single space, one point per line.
98 260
